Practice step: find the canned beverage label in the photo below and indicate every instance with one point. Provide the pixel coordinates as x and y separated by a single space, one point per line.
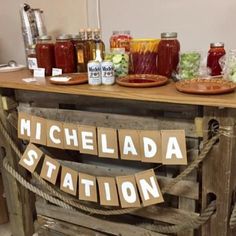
94 73
108 75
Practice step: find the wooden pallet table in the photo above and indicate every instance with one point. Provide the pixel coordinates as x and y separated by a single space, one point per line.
120 107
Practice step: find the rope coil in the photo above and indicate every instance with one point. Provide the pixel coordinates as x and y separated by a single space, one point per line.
57 198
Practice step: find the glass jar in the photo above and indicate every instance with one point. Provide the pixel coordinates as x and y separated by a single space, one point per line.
143 56
120 39
168 54
230 69
45 53
31 58
215 53
120 60
64 54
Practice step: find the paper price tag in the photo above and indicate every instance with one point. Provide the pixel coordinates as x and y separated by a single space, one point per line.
39 72
56 71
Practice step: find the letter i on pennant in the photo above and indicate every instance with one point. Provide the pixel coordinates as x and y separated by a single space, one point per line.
31 157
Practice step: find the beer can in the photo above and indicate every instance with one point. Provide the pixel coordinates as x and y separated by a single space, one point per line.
94 73
108 75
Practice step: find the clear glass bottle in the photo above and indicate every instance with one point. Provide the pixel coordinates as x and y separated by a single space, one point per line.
168 54
45 53
90 44
81 52
99 49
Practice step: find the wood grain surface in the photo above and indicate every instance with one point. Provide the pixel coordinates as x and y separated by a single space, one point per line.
166 93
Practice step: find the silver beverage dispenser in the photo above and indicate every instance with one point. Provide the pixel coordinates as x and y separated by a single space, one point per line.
32 27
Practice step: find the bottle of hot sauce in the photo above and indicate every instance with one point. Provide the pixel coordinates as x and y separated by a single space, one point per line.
214 54
45 54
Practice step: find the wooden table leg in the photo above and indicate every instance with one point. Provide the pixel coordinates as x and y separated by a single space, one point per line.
218 173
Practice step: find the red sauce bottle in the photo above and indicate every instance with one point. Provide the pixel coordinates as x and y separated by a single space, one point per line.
65 54
45 53
168 54
214 54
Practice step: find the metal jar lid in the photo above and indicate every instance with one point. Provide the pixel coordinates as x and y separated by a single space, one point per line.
45 37
64 37
217 45
169 35
76 36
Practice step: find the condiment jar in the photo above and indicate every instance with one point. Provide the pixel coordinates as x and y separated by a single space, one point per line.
120 39
168 54
31 58
65 54
45 53
216 52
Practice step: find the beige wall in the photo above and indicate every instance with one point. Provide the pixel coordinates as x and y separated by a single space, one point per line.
60 16
197 22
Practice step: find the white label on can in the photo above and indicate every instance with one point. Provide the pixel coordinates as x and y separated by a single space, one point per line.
94 73
32 63
108 77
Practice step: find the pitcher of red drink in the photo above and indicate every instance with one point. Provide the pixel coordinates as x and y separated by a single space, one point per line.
143 55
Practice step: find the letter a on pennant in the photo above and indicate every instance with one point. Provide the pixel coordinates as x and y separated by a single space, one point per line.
174 147
31 157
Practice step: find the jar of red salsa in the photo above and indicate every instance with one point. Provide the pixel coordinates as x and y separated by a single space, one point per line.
214 54
120 39
65 54
168 54
45 53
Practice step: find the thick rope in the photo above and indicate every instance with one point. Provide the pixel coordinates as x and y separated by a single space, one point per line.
193 224
232 221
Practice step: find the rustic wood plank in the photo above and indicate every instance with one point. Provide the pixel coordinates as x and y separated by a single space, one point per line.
167 215
167 93
18 198
3 204
218 173
184 203
54 226
185 188
111 120
8 103
91 222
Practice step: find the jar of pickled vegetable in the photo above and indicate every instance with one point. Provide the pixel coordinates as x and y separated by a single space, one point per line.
45 53
168 54
143 55
120 39
65 54
215 53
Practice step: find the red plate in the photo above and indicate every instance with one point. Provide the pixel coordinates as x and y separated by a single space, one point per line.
76 78
205 86
142 80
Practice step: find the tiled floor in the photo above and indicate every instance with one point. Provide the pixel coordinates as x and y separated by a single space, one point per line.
5 230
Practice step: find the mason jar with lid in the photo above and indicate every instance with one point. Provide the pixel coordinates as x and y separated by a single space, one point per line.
65 54
120 39
215 53
45 53
168 54
31 58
